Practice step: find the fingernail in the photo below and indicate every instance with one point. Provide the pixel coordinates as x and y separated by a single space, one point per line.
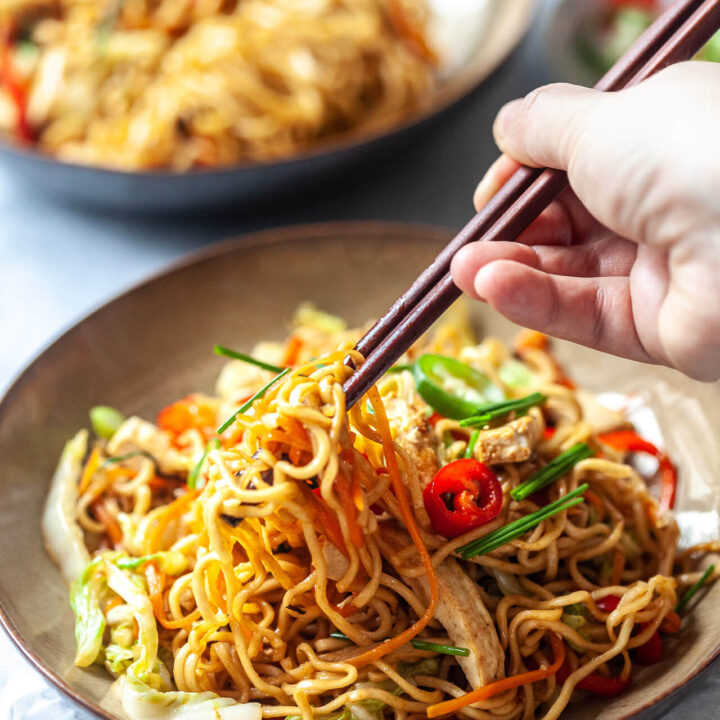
486 188
504 122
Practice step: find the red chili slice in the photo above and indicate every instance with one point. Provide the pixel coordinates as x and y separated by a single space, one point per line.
596 683
462 496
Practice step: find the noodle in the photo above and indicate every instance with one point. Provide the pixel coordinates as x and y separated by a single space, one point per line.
305 571
181 84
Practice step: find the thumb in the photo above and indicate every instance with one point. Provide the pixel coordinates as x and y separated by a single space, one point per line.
546 127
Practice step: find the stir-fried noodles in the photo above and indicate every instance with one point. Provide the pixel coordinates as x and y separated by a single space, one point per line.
467 540
179 84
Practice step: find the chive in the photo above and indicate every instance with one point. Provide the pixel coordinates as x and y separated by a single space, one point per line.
493 411
248 404
439 648
194 475
691 592
227 352
555 469
519 527
471 443
421 645
128 456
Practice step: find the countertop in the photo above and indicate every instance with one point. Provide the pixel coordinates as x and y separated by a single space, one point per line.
56 264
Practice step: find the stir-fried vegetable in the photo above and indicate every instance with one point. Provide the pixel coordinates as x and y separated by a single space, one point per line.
472 442
554 470
106 421
142 702
168 561
195 473
89 618
462 496
63 536
630 441
519 527
451 387
421 645
494 411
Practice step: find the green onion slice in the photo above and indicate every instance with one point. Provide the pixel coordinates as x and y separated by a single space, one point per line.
517 528
249 359
472 442
421 645
555 469
245 407
105 421
692 591
194 475
492 411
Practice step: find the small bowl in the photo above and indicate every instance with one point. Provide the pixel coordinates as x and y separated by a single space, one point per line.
154 343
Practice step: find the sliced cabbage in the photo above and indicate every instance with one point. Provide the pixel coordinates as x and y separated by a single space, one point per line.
307 315
89 618
63 536
141 702
140 603
516 375
118 659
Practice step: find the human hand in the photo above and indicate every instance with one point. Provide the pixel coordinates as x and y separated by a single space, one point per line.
627 260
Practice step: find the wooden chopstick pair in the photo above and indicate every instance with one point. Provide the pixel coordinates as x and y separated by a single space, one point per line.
677 35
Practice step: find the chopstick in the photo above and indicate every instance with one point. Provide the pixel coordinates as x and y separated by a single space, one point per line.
677 35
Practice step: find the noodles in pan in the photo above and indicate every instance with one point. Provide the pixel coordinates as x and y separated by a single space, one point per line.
468 540
179 84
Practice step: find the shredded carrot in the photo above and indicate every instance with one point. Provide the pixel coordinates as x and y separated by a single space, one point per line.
357 538
407 515
292 352
483 693
171 512
618 566
156 586
163 483
671 623
112 526
91 468
115 602
596 502
284 438
16 90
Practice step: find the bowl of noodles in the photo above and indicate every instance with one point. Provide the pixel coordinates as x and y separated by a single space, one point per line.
118 97
502 528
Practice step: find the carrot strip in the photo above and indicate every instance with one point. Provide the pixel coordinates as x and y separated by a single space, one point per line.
292 352
357 538
596 502
405 510
112 526
483 693
329 524
410 29
671 623
172 511
91 468
617 567
156 586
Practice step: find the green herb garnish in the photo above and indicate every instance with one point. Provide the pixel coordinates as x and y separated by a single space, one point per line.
692 591
504 535
128 456
194 475
555 469
492 411
105 421
472 442
249 359
420 645
245 407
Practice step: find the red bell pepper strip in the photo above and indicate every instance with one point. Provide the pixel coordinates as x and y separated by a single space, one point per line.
596 683
608 603
462 496
652 651
630 441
